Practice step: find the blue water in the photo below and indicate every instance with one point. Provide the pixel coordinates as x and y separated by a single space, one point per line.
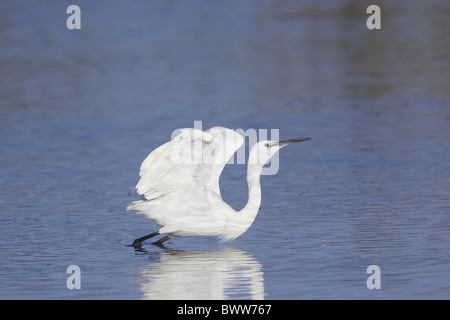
80 110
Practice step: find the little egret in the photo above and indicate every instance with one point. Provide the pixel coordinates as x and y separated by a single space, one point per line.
180 183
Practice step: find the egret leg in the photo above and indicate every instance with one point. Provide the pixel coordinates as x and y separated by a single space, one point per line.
138 242
160 241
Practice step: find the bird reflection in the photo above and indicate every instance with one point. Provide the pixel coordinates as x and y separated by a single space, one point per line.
200 275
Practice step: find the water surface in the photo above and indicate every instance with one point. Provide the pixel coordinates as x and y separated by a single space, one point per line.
80 110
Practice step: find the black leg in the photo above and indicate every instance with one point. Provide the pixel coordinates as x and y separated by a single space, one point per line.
160 241
137 244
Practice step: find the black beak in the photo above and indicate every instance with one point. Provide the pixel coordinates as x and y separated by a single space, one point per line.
290 141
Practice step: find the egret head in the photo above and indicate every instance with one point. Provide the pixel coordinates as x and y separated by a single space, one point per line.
264 150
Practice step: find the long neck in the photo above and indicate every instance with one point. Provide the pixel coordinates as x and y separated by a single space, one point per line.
254 191
243 219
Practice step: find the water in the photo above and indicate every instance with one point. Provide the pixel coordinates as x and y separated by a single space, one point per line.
80 110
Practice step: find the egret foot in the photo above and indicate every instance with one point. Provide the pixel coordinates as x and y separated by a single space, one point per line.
137 244
160 241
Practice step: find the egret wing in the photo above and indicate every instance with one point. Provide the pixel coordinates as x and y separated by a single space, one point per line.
230 141
179 165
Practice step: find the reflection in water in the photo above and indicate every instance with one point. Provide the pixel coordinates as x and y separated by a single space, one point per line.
224 274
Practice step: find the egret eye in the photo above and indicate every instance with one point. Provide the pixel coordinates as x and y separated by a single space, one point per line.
267 145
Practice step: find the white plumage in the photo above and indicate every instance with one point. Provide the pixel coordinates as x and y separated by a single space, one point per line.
180 183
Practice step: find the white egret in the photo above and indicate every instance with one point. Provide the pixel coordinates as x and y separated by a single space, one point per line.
180 183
